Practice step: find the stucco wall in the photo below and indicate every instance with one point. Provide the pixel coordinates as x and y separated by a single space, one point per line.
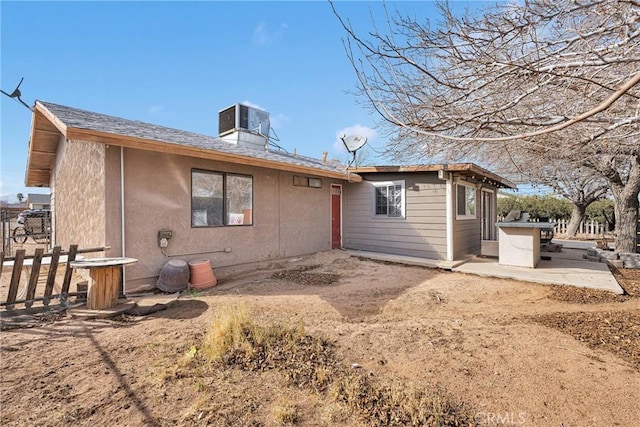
113 213
305 217
78 189
421 233
287 220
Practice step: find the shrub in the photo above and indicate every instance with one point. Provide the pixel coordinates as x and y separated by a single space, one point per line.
595 211
537 206
311 363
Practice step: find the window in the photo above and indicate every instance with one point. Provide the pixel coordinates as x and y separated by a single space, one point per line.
219 199
465 201
389 199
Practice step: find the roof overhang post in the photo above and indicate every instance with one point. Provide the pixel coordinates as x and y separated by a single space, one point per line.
448 177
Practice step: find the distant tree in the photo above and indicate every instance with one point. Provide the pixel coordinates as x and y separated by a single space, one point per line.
508 204
581 187
20 197
601 211
536 206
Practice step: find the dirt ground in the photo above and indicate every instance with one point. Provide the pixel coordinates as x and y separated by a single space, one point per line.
514 353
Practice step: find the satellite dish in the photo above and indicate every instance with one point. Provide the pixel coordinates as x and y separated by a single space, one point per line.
353 142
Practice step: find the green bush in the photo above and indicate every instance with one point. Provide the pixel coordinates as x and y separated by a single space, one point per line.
537 206
595 210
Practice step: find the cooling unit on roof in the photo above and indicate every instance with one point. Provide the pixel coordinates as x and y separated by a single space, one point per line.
243 117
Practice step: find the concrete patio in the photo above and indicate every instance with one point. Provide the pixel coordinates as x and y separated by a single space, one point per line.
567 267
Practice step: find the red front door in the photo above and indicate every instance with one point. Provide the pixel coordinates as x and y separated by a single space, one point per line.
336 224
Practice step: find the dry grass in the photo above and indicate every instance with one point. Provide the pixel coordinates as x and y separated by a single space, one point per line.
227 332
285 413
310 363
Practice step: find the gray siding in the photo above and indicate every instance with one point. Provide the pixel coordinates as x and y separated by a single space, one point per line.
422 233
467 233
466 236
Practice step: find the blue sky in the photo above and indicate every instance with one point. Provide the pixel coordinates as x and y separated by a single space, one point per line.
177 64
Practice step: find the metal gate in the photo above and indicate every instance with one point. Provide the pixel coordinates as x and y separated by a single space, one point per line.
21 229
8 221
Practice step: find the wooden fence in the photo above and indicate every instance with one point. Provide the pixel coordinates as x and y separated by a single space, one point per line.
32 281
590 228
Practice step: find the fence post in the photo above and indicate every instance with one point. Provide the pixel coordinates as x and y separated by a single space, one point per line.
73 249
33 280
51 278
15 278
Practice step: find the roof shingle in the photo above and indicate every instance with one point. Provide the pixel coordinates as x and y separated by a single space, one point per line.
82 119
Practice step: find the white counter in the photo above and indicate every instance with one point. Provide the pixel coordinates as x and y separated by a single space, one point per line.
519 242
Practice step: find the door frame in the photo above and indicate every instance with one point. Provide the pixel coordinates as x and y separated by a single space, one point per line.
490 222
339 186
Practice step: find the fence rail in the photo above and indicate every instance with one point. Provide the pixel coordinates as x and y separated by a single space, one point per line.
590 228
29 291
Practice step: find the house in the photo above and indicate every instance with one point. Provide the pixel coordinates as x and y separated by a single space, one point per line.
39 201
440 212
156 193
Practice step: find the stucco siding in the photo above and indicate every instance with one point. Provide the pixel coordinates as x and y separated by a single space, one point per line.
421 233
113 212
287 220
305 217
78 194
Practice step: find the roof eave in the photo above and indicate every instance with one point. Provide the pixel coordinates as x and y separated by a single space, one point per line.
454 167
45 133
47 129
203 153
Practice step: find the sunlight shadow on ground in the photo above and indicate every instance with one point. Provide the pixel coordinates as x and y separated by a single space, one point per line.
183 309
354 287
133 398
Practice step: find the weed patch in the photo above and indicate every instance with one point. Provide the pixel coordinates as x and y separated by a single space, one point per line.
302 276
311 363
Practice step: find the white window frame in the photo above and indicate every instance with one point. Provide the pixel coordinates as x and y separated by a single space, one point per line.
403 193
467 215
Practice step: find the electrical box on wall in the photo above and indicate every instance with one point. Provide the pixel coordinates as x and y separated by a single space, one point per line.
163 238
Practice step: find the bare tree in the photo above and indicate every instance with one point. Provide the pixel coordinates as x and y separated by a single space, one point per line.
525 84
581 191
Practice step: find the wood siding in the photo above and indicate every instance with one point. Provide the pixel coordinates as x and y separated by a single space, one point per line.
467 233
467 236
422 233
